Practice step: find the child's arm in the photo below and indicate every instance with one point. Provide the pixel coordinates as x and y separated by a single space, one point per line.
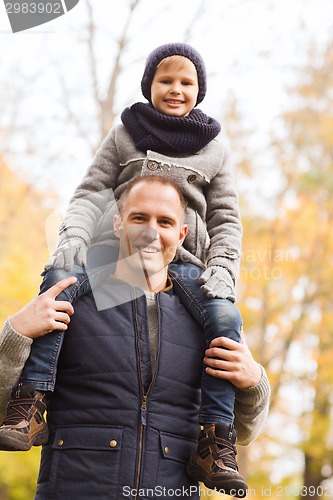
225 233
87 206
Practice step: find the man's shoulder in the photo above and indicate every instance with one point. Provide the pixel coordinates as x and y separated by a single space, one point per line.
105 292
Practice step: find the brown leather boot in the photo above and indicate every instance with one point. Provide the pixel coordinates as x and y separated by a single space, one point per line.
24 425
214 462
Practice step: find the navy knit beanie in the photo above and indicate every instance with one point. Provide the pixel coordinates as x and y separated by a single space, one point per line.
173 49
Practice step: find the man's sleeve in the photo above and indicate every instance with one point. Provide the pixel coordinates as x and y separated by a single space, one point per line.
251 410
14 350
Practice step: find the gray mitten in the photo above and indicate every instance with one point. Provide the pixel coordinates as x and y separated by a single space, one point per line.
69 249
216 281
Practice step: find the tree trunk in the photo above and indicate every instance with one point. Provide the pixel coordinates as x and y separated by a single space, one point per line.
312 479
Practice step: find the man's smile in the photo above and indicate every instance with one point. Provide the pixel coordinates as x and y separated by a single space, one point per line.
150 249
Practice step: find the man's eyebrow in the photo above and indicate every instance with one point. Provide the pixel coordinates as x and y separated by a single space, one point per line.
168 218
137 212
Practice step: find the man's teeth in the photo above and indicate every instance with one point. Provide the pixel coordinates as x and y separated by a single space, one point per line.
149 249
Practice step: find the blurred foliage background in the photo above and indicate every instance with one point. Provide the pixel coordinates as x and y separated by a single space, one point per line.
61 92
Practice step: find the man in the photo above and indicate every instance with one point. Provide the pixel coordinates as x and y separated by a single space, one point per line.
123 419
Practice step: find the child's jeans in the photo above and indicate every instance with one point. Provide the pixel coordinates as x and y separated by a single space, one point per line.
219 317
40 369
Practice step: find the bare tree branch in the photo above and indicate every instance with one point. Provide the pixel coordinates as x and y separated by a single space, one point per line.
92 58
72 117
107 105
196 17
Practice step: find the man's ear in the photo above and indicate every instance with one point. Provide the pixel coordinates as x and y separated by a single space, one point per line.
182 234
117 225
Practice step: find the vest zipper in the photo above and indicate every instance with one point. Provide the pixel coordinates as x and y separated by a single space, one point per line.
143 411
142 425
143 408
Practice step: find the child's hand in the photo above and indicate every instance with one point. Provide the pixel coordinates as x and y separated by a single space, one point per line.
72 249
44 313
217 282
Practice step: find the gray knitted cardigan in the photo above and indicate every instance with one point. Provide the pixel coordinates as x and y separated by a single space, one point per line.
205 178
251 406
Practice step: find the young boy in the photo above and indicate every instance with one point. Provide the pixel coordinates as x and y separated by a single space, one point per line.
166 136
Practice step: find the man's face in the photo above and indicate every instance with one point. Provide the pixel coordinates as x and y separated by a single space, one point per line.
150 230
175 87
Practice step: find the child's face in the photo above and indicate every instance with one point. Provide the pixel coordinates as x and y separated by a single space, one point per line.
175 87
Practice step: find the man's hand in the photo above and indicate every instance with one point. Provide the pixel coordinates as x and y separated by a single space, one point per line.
234 363
217 282
43 314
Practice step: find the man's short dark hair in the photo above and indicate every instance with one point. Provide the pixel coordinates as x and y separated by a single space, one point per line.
150 179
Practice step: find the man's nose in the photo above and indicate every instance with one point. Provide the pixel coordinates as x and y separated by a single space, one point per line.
149 233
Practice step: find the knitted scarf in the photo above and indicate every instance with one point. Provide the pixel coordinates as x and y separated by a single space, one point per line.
153 130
